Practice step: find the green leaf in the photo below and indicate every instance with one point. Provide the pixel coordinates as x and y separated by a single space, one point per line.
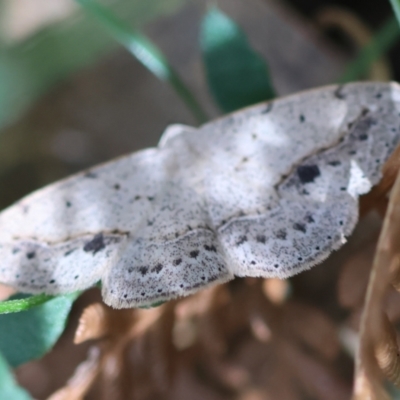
145 52
396 8
31 67
30 334
23 304
236 74
383 40
8 387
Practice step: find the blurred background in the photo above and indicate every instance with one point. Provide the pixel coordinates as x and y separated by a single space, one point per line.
72 96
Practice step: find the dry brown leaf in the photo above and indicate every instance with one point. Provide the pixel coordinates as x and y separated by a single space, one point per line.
374 332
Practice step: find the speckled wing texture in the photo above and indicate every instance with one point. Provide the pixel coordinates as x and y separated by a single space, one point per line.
268 191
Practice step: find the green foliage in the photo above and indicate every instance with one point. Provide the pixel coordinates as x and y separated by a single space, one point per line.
23 304
30 68
396 8
30 334
236 74
145 52
383 40
8 387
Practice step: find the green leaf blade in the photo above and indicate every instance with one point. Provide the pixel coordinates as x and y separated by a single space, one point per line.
8 387
237 75
30 334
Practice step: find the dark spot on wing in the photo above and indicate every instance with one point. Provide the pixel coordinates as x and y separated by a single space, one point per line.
117 186
143 270
378 95
90 174
334 163
261 239
194 253
242 239
177 261
307 173
309 219
352 152
363 136
252 262
125 296
267 108
137 197
210 248
343 189
244 159
68 204
67 253
30 255
302 118
52 281
281 234
157 268
15 250
299 227
150 198
276 265
76 276
254 136
338 93
95 245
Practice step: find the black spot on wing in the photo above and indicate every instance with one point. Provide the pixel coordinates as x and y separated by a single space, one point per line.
307 173
90 174
298 226
194 253
210 248
241 240
157 268
95 245
363 136
281 234
30 255
339 93
261 239
68 252
309 219
267 108
143 270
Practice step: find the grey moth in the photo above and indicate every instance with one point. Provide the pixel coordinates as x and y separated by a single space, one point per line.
268 191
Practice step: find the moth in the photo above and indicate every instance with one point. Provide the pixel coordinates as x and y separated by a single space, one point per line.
268 191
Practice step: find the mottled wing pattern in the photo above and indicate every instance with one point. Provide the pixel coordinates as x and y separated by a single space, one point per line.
267 191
